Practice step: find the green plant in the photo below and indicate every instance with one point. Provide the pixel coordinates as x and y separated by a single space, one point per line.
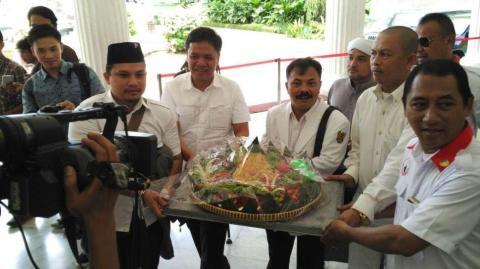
131 25
308 30
315 10
176 32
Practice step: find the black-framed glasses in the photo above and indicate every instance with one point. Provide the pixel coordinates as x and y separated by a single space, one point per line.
424 41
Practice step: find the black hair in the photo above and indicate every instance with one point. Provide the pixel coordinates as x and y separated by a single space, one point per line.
408 37
41 31
1 36
446 24
23 44
303 64
440 68
43 12
204 34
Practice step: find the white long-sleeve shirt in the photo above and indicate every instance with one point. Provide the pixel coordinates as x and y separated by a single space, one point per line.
377 124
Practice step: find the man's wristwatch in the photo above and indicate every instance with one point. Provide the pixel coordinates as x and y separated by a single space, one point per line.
364 220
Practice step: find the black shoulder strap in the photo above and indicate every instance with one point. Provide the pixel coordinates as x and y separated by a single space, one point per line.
322 127
83 74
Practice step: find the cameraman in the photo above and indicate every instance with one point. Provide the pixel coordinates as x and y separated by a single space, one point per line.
95 206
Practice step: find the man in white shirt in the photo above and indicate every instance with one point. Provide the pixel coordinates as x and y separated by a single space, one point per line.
126 75
437 216
294 125
438 30
378 122
210 109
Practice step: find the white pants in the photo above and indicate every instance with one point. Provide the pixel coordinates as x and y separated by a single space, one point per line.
361 257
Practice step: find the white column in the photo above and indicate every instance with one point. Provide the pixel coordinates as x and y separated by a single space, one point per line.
344 21
100 23
473 53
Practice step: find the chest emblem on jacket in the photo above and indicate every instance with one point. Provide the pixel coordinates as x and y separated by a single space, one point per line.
340 136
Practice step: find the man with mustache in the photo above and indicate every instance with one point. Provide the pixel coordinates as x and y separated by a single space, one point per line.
377 123
210 109
344 92
294 125
437 195
126 74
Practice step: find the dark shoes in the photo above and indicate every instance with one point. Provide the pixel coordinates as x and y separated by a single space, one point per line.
20 218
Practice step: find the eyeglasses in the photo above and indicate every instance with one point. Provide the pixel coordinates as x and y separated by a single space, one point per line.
425 42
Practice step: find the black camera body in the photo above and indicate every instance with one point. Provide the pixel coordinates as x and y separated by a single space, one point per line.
34 150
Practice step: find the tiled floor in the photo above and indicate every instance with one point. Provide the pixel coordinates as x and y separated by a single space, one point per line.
50 248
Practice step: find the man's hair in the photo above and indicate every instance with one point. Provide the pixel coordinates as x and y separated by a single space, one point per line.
41 31
23 44
446 24
1 36
302 64
439 68
204 34
43 12
408 37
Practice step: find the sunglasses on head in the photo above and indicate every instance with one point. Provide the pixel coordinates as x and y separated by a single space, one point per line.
424 41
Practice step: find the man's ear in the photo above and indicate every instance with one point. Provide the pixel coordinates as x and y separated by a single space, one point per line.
106 76
468 107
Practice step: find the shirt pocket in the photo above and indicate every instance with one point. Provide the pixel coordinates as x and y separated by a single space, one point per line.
220 117
186 116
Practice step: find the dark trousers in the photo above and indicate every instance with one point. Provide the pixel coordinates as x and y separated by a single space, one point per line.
310 251
147 254
209 239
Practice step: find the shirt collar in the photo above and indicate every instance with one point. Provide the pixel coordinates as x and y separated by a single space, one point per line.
63 70
362 86
215 83
396 94
443 157
142 102
306 115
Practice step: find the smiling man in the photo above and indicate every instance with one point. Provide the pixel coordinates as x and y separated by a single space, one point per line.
437 216
294 125
55 83
210 109
436 38
378 122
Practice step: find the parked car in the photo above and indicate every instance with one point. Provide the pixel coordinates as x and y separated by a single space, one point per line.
460 19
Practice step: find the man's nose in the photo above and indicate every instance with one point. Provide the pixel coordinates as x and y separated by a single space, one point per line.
431 115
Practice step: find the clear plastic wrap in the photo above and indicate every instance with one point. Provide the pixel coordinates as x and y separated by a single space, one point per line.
251 180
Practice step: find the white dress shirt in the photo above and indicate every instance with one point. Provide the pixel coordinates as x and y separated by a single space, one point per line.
377 124
438 200
205 117
378 196
157 120
284 130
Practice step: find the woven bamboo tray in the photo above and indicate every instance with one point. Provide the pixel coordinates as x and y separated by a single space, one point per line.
282 216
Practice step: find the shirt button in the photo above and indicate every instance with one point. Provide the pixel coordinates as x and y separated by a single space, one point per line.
380 132
383 112
376 153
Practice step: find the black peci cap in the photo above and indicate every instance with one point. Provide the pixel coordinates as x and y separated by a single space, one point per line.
125 52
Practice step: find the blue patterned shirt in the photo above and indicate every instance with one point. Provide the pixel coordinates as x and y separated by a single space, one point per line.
41 89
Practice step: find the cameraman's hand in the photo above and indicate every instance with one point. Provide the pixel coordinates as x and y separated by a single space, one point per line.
96 200
155 202
67 105
95 205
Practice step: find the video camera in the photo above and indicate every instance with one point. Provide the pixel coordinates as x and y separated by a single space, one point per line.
34 150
